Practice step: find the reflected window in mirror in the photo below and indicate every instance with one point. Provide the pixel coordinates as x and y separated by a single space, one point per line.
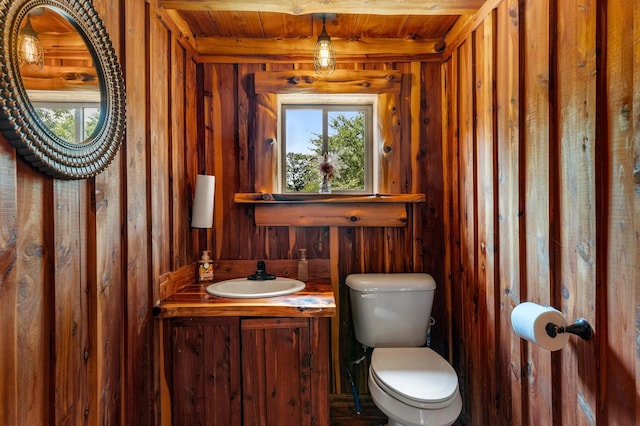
72 122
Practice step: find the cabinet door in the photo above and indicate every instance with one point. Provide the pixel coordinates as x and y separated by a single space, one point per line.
276 359
206 388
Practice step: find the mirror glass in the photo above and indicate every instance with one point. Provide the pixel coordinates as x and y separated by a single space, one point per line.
59 76
62 103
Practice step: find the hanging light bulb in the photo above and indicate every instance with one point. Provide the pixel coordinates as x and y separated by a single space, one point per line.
30 50
324 57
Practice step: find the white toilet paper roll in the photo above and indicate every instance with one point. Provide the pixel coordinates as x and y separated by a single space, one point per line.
529 321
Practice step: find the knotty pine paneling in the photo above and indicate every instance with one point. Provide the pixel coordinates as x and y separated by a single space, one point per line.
80 260
540 148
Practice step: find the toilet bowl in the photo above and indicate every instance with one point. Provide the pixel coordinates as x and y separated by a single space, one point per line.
411 384
414 387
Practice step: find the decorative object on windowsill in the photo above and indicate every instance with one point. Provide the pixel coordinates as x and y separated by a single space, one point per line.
328 170
325 186
324 55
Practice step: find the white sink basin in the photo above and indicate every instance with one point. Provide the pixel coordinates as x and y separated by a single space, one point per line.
247 289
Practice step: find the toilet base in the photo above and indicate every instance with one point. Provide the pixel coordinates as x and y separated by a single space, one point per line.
401 414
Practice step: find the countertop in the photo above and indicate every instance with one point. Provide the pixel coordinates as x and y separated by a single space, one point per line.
316 300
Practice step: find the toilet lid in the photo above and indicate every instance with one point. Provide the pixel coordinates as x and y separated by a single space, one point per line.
416 376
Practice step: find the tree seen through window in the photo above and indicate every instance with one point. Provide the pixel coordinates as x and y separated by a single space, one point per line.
340 133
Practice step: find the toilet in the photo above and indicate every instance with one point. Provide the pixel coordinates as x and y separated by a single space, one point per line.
413 385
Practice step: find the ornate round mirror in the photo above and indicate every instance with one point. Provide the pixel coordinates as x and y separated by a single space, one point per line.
62 98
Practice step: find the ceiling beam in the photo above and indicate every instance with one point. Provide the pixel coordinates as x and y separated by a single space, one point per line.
303 7
232 49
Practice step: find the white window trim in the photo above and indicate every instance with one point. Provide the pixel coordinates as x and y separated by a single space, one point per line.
334 99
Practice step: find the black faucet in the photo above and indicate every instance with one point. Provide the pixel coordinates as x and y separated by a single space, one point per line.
261 273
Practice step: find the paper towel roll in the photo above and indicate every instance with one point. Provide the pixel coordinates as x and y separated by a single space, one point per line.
529 321
203 199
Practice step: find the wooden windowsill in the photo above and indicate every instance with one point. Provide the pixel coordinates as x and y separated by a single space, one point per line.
378 210
261 197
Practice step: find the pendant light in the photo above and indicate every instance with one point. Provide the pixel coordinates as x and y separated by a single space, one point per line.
30 50
324 56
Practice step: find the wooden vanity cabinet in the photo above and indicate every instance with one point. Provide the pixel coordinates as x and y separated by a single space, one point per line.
205 379
250 371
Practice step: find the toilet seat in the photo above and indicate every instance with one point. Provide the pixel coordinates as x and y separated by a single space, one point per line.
418 377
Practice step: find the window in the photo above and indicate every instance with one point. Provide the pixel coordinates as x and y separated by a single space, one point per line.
72 122
326 135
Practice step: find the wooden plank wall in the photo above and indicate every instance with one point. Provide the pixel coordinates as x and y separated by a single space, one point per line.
525 141
80 261
235 117
540 147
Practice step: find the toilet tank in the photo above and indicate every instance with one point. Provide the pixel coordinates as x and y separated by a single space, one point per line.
391 310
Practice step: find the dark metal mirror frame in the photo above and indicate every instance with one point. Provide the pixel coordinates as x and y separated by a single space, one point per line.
19 120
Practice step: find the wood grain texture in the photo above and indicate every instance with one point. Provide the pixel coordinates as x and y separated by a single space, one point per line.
263 198
326 214
486 244
428 232
70 325
85 264
316 300
178 195
105 289
205 371
451 269
469 291
159 143
509 198
319 342
539 151
617 258
341 81
106 284
249 371
9 364
35 267
296 8
575 281
562 96
193 132
82 263
136 378
277 365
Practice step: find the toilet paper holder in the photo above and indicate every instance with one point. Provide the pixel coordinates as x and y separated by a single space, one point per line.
580 328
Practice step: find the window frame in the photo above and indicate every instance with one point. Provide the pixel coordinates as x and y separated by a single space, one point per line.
333 102
79 115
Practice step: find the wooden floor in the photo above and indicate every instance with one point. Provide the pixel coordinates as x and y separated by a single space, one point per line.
343 412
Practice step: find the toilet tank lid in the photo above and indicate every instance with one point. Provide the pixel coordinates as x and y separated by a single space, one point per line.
390 282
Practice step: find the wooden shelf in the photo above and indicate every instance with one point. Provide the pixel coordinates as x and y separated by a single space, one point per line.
262 197
381 210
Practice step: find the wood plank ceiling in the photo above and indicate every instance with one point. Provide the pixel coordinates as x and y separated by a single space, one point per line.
286 30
